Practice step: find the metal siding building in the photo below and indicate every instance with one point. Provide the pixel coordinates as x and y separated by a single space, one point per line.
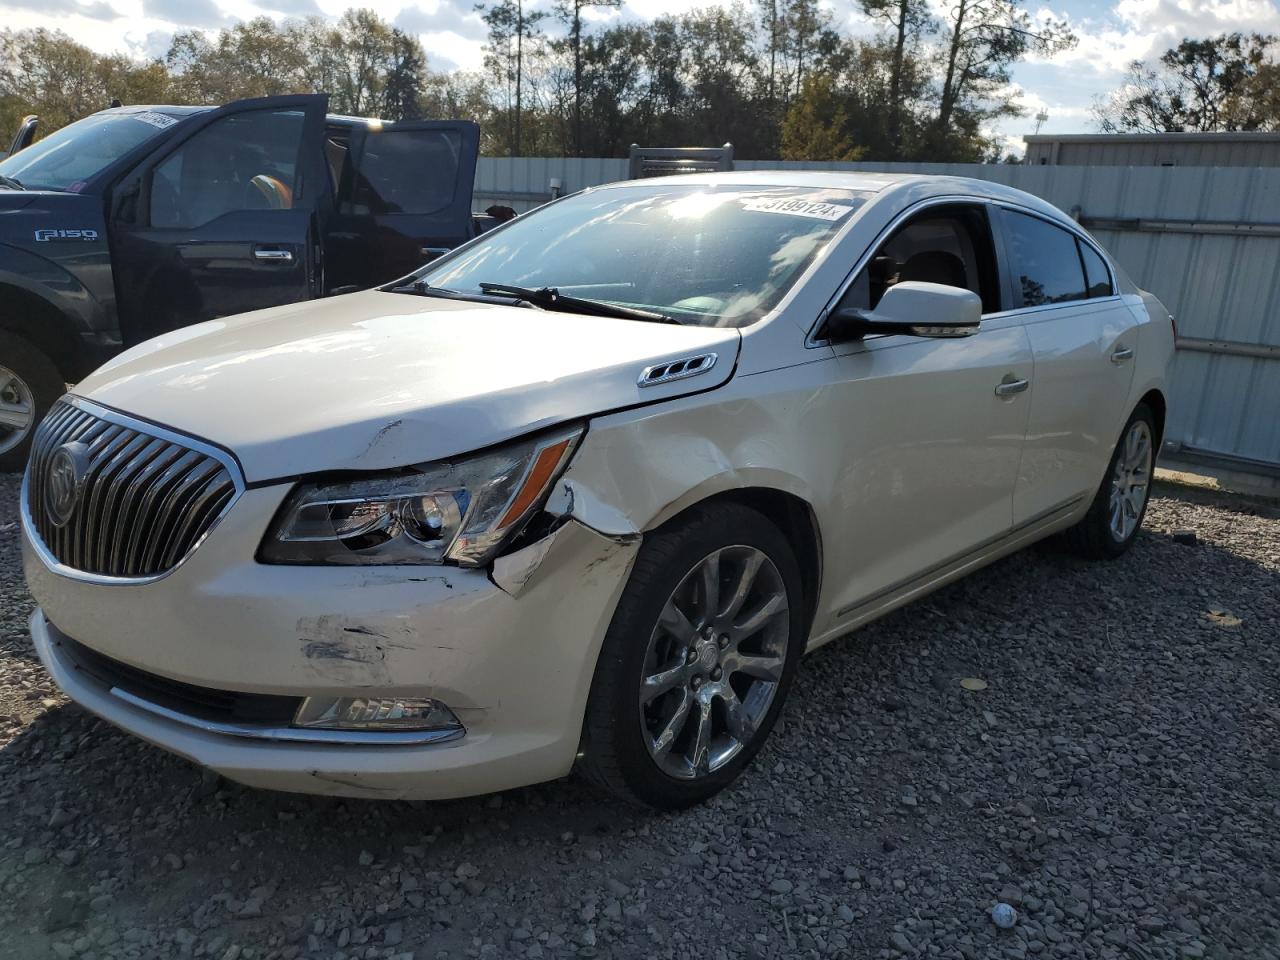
1247 149
1205 241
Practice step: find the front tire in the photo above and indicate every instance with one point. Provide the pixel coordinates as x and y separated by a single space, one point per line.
29 385
1115 516
698 659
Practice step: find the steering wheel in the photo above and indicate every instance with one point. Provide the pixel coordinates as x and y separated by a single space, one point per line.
266 190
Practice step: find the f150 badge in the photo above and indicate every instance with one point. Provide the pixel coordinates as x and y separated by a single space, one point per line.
43 236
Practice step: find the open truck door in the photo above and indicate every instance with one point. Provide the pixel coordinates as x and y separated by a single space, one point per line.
26 134
404 197
222 217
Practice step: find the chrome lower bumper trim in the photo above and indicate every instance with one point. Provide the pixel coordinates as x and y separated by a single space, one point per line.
297 734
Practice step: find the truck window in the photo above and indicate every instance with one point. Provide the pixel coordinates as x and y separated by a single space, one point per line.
246 161
393 173
66 158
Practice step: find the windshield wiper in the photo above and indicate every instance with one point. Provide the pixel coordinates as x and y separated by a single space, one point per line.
552 299
424 288
13 183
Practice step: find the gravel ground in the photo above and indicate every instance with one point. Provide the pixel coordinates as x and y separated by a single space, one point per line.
1117 781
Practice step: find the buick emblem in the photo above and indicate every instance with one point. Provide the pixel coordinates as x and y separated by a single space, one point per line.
63 479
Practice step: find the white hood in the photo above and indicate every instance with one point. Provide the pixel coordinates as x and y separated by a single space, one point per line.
378 380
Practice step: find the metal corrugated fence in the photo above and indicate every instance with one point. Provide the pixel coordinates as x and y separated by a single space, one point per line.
1206 241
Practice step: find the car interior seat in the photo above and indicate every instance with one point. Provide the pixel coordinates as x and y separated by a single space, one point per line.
935 266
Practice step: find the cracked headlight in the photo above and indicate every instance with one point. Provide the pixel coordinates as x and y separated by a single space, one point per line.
460 512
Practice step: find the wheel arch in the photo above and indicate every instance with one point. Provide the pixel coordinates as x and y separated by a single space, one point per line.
1155 401
795 519
47 328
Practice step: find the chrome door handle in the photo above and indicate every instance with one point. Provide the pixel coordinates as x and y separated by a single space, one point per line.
1009 386
274 256
430 253
1121 354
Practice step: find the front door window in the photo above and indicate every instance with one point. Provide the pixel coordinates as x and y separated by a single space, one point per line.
246 161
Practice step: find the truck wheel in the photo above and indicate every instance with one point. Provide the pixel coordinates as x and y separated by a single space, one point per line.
29 384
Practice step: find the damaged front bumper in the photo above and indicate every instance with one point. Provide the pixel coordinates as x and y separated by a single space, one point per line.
511 653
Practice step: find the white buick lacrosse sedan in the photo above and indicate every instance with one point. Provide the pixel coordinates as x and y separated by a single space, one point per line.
579 494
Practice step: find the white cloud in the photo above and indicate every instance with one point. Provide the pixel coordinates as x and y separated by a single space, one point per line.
1066 84
186 13
1162 23
89 9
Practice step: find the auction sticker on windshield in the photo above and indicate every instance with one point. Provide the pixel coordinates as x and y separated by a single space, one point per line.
163 121
813 209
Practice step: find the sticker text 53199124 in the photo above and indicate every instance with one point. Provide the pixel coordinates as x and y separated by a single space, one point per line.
813 209
161 120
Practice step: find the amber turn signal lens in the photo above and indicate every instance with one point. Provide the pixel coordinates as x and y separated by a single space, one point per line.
539 476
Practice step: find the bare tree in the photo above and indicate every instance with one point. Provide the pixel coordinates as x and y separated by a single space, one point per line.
510 24
570 13
1226 82
909 20
983 39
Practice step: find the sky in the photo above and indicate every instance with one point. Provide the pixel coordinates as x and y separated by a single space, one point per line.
1111 34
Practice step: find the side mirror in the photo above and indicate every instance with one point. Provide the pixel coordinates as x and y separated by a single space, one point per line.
912 308
26 134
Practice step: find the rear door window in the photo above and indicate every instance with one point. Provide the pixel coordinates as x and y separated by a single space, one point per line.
1045 261
406 171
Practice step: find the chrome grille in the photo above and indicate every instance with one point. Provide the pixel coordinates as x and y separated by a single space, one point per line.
143 497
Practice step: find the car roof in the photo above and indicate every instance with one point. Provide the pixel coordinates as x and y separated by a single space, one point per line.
890 189
838 179
178 112
167 110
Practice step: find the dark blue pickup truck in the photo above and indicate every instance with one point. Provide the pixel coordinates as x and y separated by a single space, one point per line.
138 220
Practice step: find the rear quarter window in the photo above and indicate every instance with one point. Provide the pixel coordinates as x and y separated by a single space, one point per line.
1096 273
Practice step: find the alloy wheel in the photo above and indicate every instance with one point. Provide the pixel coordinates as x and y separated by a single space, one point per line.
714 662
1130 481
17 410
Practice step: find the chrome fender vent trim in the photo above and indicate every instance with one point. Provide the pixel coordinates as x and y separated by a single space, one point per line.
677 369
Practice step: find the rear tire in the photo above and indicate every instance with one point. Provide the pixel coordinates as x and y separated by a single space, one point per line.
29 385
1115 516
725 654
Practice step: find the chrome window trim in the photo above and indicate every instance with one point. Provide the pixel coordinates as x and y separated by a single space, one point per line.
1046 307
811 340
224 457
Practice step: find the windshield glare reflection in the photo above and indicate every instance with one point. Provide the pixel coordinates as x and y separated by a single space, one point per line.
715 255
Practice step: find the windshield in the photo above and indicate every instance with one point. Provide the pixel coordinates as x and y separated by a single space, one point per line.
66 158
702 254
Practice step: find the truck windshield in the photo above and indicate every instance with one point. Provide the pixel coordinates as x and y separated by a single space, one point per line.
66 158
712 255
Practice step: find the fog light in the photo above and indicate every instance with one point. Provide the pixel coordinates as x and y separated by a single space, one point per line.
375 713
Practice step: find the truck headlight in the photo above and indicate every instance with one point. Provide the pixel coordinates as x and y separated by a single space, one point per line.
461 511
